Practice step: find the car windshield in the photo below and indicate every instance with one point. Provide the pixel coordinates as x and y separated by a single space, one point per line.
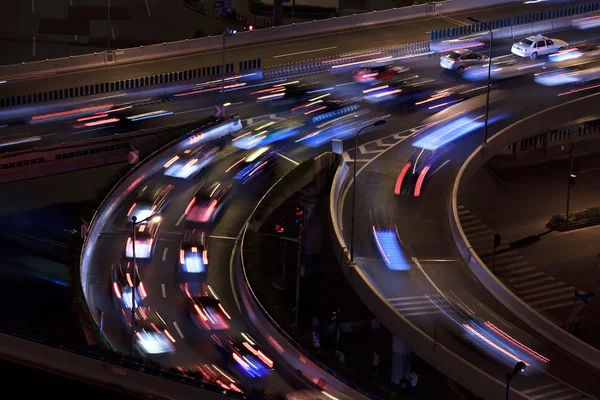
527 42
454 55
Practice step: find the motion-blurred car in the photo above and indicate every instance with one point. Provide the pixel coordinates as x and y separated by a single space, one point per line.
253 163
414 174
210 373
150 201
124 279
578 73
206 310
244 353
534 46
287 92
152 335
145 238
193 257
377 73
266 132
511 67
459 60
313 394
207 202
190 162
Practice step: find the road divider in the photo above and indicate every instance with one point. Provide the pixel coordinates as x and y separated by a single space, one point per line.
543 121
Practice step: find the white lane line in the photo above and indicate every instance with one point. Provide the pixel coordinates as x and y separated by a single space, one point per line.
178 330
163 290
148 8
165 253
289 159
113 33
32 6
75 37
20 141
301 52
34 45
345 84
70 2
194 110
180 219
438 168
221 237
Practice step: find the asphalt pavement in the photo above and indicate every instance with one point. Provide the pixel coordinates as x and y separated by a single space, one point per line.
187 109
283 52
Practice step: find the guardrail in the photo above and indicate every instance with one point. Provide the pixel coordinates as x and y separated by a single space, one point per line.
103 369
293 354
433 352
326 63
534 20
212 43
542 121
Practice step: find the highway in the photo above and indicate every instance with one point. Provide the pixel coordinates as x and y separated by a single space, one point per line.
420 223
428 276
284 51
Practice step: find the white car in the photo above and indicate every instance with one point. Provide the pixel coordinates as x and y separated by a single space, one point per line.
535 46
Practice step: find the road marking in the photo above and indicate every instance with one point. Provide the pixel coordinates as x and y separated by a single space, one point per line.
380 143
163 290
221 237
194 110
180 219
364 150
165 253
75 37
453 20
438 168
32 6
71 2
300 52
148 8
113 33
287 158
178 330
34 45
345 84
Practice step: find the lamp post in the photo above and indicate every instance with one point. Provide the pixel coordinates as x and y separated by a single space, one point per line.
134 224
572 177
376 123
107 25
226 32
489 84
517 370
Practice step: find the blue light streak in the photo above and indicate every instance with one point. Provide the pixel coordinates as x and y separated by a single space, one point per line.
447 133
389 248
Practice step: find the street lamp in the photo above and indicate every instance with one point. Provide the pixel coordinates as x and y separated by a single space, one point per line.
517 370
226 32
134 224
489 84
376 123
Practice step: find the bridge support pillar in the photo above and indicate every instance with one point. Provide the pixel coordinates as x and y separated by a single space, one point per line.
401 361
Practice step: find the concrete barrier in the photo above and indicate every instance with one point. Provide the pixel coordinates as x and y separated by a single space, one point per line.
433 352
103 372
522 31
545 120
282 344
541 26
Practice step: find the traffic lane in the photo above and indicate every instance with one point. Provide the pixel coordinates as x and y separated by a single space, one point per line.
283 52
422 223
434 275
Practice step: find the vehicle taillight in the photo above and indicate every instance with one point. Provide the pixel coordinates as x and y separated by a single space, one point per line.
401 178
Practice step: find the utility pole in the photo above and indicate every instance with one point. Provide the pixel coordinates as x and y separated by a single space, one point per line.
108 25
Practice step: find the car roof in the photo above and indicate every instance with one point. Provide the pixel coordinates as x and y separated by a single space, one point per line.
533 38
461 51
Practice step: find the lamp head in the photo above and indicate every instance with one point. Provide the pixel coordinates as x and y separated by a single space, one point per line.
134 219
474 20
519 368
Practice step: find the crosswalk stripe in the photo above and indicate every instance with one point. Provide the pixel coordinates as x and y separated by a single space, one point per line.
464 217
537 389
460 207
469 223
475 228
518 271
520 278
562 297
536 281
486 232
536 289
507 260
512 266
553 306
546 293
544 395
463 212
508 254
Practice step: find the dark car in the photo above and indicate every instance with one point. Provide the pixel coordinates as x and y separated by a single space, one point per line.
124 277
244 353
